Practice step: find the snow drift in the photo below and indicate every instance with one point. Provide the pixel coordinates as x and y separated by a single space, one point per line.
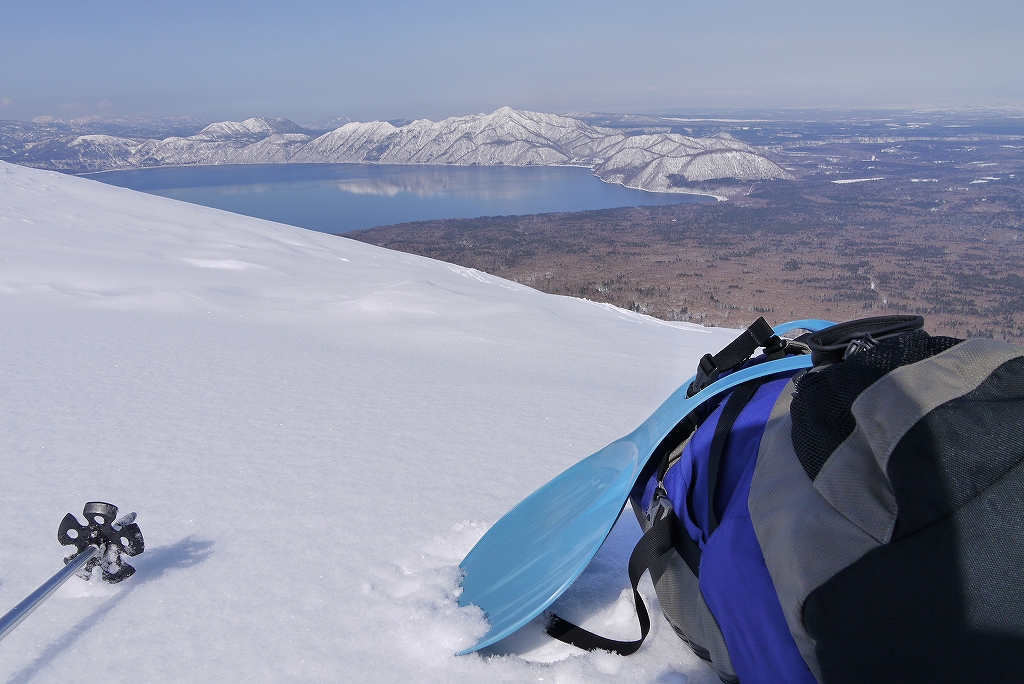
313 430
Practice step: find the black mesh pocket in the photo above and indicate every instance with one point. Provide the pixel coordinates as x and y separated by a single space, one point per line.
821 413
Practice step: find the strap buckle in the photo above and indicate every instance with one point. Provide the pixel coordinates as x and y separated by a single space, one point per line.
707 373
660 507
759 334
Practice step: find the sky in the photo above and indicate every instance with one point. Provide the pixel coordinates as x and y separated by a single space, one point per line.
314 61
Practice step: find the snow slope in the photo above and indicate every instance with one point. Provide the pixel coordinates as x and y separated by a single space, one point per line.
313 431
503 137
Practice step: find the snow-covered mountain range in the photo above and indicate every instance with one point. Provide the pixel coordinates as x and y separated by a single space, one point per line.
661 162
313 430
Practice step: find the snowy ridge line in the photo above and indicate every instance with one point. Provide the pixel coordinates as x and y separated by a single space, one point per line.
626 314
505 137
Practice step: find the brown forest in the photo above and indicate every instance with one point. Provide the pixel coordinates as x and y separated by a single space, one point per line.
948 249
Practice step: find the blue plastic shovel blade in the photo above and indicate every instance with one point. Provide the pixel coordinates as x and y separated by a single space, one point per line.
538 549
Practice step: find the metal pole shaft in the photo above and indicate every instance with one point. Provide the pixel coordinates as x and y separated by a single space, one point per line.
22 610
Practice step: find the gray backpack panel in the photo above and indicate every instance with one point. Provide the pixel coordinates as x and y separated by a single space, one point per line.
853 479
894 404
683 604
805 541
810 531
942 601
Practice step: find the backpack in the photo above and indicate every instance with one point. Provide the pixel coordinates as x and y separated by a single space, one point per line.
861 521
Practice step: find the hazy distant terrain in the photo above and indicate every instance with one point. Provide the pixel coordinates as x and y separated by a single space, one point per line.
888 216
655 160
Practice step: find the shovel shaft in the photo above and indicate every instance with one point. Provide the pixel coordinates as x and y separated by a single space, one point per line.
22 610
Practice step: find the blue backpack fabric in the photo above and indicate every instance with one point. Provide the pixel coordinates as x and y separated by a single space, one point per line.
755 632
699 543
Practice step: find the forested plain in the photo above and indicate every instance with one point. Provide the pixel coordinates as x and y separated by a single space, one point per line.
944 240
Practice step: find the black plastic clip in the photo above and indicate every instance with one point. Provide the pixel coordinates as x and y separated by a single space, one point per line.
707 373
660 507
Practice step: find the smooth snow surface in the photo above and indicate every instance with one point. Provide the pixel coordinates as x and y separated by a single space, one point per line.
846 181
313 430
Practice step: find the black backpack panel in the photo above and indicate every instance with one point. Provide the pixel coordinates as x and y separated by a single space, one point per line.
944 604
822 418
944 600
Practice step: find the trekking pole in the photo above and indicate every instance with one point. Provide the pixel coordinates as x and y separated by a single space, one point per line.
102 541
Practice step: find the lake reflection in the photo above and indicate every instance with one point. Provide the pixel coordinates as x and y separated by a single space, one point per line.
337 198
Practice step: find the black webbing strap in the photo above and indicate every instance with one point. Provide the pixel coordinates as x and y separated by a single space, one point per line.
730 412
737 351
665 534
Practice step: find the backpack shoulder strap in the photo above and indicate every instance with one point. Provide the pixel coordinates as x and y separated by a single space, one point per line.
664 535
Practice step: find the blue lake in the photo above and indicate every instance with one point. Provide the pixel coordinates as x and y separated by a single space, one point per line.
336 198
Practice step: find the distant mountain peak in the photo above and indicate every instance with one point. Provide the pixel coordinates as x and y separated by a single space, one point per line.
258 126
650 161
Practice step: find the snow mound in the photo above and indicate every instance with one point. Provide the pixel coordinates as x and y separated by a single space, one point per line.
313 431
